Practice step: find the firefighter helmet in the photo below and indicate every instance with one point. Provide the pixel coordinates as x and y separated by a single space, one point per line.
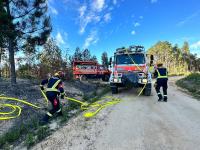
159 63
59 74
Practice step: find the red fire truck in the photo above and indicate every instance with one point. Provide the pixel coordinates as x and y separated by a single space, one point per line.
128 69
84 70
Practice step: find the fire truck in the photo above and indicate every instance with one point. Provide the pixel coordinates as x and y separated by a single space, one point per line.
129 69
84 70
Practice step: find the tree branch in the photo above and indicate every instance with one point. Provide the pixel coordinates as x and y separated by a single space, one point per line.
24 14
32 31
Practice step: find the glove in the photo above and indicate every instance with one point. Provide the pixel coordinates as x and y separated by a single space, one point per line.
42 88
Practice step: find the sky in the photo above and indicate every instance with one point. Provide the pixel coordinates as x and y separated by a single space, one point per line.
104 25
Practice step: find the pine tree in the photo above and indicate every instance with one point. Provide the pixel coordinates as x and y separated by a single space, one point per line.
93 58
104 59
50 57
86 55
23 21
77 54
185 48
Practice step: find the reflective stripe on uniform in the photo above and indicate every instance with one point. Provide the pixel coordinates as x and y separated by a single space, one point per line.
59 110
53 88
165 95
159 76
49 114
56 84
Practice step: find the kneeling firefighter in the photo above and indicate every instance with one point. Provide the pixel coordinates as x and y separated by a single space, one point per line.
162 79
53 90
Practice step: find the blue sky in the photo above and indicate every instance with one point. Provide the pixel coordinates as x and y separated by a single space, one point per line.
104 25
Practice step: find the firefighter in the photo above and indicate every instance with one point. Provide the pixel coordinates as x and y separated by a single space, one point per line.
53 90
162 79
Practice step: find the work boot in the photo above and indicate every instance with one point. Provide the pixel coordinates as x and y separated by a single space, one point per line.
60 113
165 99
159 97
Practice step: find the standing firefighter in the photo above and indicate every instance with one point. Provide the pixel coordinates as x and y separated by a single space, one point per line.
53 90
162 78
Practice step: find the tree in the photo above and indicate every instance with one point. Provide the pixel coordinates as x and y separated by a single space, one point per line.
172 57
22 22
93 58
77 55
50 58
2 51
104 59
185 48
86 55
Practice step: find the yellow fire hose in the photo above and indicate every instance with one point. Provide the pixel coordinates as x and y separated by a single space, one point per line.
15 110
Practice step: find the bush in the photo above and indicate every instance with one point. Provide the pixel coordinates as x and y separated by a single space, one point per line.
42 133
30 140
191 83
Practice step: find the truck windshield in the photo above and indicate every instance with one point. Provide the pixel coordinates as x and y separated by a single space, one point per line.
128 59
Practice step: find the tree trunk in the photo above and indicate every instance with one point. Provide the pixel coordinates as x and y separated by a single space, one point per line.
12 62
0 65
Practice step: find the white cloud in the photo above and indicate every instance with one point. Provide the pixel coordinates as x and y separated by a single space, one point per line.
196 45
59 39
114 2
93 12
154 1
141 17
91 39
53 10
189 18
98 5
82 10
133 32
137 24
107 17
84 21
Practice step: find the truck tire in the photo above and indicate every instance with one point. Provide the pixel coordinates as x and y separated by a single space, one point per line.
83 78
114 90
147 90
106 78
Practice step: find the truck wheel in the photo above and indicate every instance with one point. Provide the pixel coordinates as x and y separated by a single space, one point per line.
147 90
106 78
114 90
83 78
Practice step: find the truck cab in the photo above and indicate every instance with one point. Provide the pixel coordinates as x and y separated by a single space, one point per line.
129 69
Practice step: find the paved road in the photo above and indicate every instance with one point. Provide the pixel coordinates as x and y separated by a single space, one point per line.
145 124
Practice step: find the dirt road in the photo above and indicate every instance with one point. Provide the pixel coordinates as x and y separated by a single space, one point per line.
136 123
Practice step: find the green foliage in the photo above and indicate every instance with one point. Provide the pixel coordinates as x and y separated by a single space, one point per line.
104 59
17 132
178 61
23 26
42 133
12 135
77 54
30 140
86 55
185 48
191 83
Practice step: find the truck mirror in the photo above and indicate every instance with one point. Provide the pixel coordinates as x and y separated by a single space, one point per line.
152 58
110 62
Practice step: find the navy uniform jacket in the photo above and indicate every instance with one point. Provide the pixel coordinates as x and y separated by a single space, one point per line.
51 82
